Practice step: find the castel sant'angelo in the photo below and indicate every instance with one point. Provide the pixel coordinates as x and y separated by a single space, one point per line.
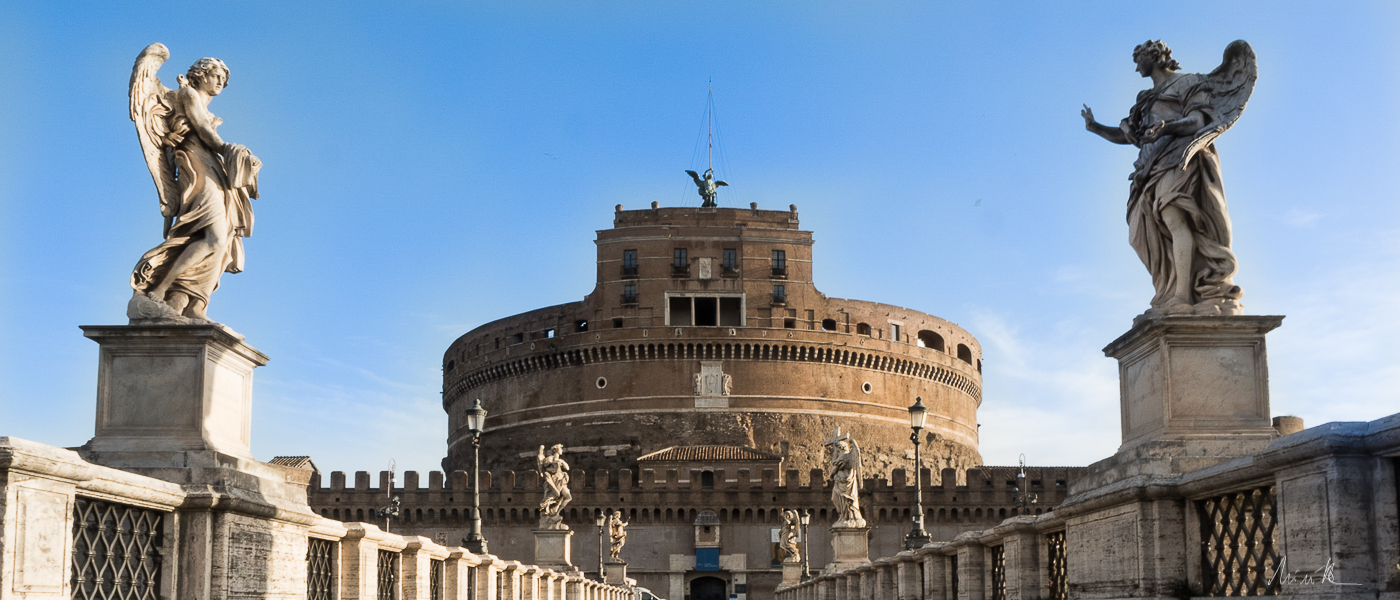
693 391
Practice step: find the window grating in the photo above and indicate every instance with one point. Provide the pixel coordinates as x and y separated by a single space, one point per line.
388 575
320 569
435 569
116 551
1059 574
1237 543
998 572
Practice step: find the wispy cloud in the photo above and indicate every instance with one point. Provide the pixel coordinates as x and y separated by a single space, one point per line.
1051 397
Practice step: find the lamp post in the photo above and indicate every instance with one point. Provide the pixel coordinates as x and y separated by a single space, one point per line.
804 518
601 520
917 536
391 511
476 423
1023 498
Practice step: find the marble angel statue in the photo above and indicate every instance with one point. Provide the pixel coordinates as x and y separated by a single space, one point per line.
1177 218
844 464
205 186
617 536
787 537
554 476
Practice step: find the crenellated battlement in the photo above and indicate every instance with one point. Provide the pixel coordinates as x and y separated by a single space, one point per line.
675 496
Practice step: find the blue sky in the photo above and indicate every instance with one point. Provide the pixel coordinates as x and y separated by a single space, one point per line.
432 166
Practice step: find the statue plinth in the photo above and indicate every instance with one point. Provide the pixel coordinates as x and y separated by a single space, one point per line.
175 402
850 548
1194 391
173 388
552 549
792 572
615 573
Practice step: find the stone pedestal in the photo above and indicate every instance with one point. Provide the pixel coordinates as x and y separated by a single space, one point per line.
1194 391
552 549
174 402
850 548
173 388
615 573
792 573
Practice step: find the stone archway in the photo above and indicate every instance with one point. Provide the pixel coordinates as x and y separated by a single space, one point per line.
708 588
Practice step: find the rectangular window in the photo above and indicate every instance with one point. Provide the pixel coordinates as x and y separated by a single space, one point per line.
731 258
680 263
780 263
629 263
894 332
780 294
731 312
680 311
705 311
629 293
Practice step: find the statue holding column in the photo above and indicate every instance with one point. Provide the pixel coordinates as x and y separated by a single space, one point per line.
1177 218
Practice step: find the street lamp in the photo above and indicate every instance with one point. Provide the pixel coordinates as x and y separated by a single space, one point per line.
804 518
476 423
917 537
1023 498
600 520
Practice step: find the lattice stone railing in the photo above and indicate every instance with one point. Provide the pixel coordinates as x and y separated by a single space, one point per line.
1238 556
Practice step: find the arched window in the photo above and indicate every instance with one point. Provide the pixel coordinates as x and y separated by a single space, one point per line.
931 339
964 353
828 324
863 328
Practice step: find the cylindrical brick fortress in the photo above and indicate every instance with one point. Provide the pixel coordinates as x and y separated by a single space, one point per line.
705 329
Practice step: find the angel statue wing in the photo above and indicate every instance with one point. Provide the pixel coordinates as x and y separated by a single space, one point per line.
1229 86
152 104
696 177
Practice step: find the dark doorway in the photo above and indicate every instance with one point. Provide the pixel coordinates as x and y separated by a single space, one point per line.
707 588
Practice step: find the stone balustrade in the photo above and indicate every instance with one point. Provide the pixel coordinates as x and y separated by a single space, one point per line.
69 527
1311 516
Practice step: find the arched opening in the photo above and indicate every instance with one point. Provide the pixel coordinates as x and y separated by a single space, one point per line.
930 339
708 588
863 328
964 354
828 324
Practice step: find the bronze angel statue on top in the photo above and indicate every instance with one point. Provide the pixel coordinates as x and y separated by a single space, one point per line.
204 184
1177 217
707 186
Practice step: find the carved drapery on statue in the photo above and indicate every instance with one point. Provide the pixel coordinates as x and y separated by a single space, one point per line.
554 478
787 537
617 536
205 187
1178 222
844 464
